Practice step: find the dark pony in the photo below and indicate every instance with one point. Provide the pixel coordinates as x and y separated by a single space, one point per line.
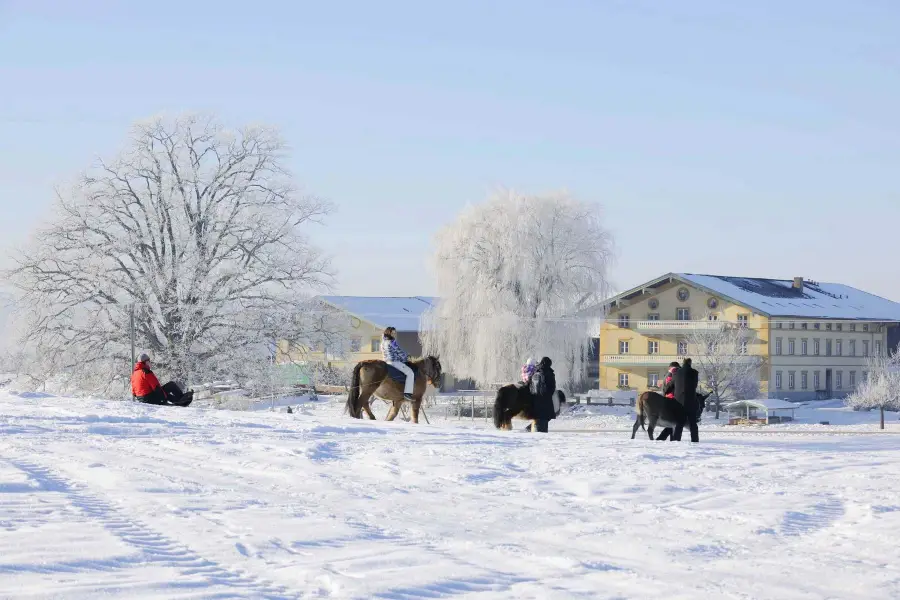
515 401
655 409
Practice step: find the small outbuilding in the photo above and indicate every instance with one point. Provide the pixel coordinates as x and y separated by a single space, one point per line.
760 411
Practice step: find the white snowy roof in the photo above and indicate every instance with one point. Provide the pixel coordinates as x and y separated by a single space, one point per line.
779 297
403 313
764 404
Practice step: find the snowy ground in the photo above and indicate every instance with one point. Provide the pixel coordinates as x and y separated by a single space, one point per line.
130 501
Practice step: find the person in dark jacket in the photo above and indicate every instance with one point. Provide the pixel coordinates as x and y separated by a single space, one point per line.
668 390
543 386
686 381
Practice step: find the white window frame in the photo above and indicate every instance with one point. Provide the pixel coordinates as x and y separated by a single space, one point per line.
652 347
804 347
817 347
817 379
791 379
624 346
650 379
623 380
777 346
838 380
804 380
852 347
838 347
852 381
682 344
682 314
791 346
865 347
777 380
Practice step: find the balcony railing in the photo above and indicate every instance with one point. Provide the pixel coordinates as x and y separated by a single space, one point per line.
653 360
678 326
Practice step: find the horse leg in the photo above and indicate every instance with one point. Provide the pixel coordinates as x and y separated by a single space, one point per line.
416 404
364 396
637 425
651 425
392 413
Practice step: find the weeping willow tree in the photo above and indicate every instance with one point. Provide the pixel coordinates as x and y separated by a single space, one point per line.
518 276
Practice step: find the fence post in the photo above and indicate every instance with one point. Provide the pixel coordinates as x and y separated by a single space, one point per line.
473 408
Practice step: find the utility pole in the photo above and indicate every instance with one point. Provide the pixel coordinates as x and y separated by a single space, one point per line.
131 331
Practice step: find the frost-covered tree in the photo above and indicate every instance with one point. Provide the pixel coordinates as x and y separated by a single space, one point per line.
881 386
721 354
518 276
196 230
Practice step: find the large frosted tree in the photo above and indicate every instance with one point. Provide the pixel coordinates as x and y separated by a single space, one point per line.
518 276
195 229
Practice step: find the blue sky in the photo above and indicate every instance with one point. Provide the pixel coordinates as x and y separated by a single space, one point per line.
755 138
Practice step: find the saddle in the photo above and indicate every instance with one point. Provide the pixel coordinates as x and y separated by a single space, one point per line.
397 375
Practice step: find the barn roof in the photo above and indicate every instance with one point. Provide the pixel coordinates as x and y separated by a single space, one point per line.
403 313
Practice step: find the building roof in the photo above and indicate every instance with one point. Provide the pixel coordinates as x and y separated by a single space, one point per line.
403 313
779 297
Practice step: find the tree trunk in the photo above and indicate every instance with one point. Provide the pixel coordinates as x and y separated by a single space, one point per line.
882 417
718 406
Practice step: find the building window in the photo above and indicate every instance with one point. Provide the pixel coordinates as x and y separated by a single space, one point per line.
376 345
852 347
865 327
778 346
743 346
804 346
653 317
713 317
816 380
777 380
623 347
838 348
804 380
682 348
355 344
625 321
653 380
839 326
865 377
652 347
827 347
791 346
743 320
865 347
817 325
877 347
838 376
683 314
827 326
816 347
852 326
790 380
852 379
779 325
623 380
804 325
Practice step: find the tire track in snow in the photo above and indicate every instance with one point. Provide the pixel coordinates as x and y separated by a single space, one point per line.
154 546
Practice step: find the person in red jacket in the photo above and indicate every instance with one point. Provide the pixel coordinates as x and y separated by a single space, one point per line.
669 382
144 384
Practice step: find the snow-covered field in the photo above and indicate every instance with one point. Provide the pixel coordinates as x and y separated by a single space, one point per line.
119 500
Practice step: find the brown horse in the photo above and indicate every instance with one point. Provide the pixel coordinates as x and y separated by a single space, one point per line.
370 378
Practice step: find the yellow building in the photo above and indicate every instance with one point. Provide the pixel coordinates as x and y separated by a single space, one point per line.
812 339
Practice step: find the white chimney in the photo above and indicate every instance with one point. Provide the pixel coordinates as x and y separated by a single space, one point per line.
798 283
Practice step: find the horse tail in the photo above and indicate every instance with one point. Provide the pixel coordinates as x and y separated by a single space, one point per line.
498 409
353 395
639 409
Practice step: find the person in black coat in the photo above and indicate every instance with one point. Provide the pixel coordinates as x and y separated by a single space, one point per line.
543 386
686 381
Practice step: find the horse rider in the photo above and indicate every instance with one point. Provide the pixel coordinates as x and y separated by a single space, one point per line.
394 355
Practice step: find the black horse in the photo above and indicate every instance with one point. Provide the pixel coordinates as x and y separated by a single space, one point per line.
515 401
